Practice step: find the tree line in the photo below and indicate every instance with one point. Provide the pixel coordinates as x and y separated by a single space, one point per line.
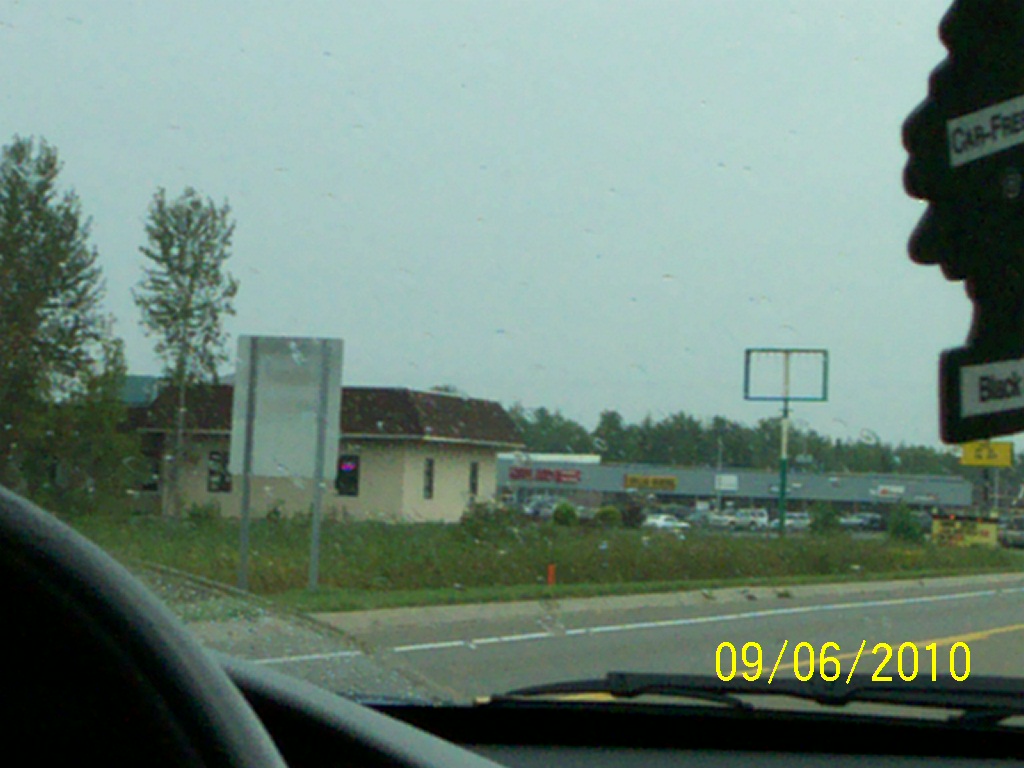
684 440
62 365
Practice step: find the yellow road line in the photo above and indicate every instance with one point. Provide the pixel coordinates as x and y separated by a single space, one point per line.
939 641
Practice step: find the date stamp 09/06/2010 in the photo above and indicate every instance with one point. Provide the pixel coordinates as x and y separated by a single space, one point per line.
908 660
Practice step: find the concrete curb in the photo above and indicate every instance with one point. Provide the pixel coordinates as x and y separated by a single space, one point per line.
386 618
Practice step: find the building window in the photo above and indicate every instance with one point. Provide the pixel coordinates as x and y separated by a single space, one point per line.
474 478
346 481
218 477
428 479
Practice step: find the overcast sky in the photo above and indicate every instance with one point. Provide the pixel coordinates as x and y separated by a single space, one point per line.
580 205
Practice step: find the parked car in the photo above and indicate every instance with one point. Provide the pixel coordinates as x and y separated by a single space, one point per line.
666 522
865 521
750 519
542 507
852 522
795 521
721 519
872 521
1011 532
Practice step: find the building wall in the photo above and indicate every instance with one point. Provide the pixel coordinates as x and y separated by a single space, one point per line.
569 478
451 493
391 482
380 476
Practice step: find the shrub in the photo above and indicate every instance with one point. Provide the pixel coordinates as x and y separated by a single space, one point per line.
608 517
633 516
824 519
198 513
486 520
276 512
565 514
903 526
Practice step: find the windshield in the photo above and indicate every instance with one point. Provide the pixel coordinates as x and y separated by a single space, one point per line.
497 344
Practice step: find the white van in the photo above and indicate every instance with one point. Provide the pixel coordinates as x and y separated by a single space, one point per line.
750 519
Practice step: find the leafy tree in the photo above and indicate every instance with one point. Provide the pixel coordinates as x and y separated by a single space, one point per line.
903 526
613 438
59 363
184 296
608 517
824 519
545 431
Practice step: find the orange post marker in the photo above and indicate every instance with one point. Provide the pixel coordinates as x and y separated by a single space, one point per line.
551 574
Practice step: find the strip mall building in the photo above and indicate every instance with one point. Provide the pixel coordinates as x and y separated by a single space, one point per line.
585 480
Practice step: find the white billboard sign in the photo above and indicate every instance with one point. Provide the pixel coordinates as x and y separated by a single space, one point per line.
285 384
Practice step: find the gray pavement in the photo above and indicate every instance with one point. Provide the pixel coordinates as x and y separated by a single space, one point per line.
479 649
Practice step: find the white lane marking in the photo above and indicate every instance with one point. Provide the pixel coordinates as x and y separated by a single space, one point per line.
645 625
308 657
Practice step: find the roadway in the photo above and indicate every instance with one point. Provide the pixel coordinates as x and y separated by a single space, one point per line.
471 651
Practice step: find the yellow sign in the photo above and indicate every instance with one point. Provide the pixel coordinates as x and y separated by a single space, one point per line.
985 453
965 532
651 482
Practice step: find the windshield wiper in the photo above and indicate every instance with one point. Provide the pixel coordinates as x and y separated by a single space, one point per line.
982 699
628 685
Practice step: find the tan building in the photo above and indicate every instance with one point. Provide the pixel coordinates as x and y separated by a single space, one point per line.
403 455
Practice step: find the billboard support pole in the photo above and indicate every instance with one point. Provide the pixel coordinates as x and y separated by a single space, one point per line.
784 445
783 468
318 467
751 391
250 419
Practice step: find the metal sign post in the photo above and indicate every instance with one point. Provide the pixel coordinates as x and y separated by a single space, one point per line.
990 455
769 375
285 422
250 418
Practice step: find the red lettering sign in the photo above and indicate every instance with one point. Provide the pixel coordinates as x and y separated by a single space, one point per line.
545 475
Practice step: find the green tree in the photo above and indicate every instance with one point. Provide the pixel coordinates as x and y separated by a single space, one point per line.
565 514
903 526
613 438
184 296
608 517
55 342
545 431
824 519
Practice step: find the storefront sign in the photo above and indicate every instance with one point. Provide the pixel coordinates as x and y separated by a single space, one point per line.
545 475
651 482
960 532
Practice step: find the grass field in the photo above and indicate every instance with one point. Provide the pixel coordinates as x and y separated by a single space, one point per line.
372 564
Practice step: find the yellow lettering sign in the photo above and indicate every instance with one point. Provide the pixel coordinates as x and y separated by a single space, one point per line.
651 482
986 453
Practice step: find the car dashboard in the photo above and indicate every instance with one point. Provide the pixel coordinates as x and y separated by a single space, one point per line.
315 728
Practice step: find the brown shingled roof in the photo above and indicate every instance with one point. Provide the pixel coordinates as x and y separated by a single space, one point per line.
366 413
